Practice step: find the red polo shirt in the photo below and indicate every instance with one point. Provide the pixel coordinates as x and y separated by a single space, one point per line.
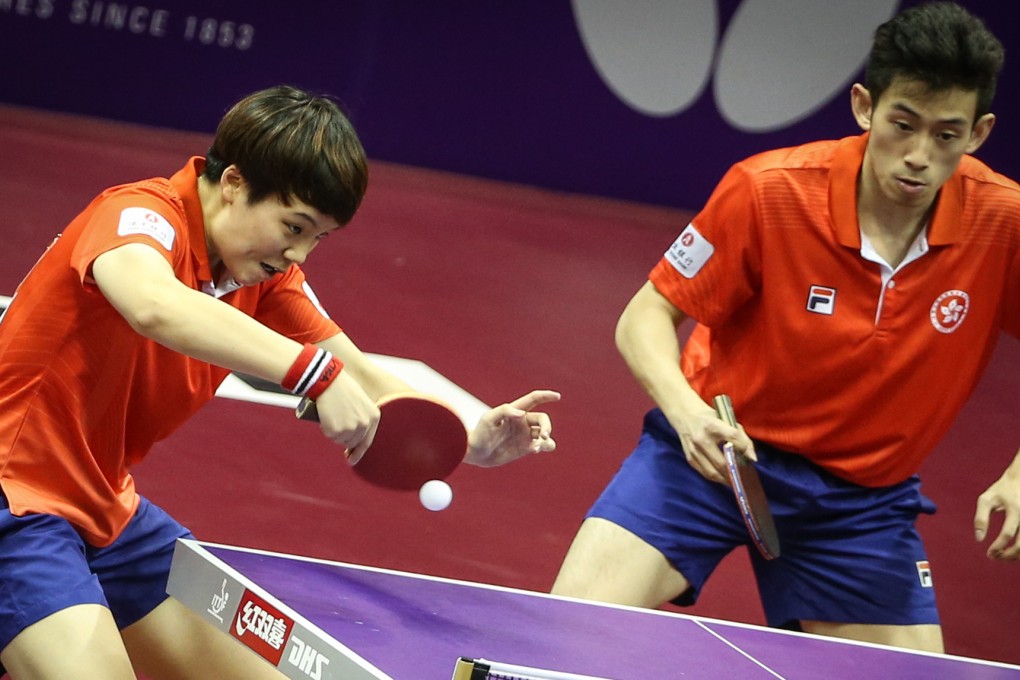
82 396
821 356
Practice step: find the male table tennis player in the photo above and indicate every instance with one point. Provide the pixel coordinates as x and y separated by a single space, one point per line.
848 296
121 331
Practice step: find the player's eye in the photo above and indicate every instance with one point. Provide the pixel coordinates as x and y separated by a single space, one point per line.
294 229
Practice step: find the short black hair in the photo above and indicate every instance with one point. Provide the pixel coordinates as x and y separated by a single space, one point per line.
940 45
290 143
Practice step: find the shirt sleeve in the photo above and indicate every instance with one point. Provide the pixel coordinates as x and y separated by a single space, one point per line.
714 265
130 217
290 307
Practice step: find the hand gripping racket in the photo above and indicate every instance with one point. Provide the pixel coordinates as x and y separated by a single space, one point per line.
754 507
419 438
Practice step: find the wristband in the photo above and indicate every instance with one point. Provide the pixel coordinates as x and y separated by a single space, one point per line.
312 372
329 373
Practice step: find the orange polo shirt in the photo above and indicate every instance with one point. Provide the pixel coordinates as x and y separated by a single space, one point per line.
82 396
823 355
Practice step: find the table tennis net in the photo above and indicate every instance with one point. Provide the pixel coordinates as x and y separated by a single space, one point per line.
482 669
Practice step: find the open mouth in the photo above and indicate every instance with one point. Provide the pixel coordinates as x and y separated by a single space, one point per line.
272 271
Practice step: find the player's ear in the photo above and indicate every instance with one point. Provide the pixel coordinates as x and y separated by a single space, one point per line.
861 105
231 183
979 133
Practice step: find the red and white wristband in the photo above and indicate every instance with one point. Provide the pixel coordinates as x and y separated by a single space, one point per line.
312 372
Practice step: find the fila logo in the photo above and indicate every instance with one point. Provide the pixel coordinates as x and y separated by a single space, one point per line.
821 300
924 573
306 659
261 627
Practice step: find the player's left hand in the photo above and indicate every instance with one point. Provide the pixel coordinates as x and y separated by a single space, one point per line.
512 430
1002 496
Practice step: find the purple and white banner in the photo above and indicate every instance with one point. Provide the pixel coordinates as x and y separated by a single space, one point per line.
649 100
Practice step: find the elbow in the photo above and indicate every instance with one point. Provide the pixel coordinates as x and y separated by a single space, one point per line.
624 331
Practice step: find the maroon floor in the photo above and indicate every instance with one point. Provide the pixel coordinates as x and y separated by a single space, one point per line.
502 288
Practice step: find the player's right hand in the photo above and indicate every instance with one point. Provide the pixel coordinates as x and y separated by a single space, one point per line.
702 436
348 416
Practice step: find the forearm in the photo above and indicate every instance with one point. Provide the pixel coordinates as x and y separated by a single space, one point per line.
376 381
200 326
141 286
646 336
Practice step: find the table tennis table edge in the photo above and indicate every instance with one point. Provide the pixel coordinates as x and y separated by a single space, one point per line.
710 624
305 651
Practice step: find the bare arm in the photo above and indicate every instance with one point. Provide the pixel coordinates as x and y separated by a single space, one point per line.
376 381
142 287
503 433
646 336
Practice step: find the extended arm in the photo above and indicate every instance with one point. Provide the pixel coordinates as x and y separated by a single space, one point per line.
503 433
142 286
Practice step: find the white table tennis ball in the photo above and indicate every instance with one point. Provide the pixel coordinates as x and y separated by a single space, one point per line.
435 495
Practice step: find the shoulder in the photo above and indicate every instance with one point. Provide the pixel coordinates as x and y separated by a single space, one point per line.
791 174
147 201
990 211
149 208
796 164
988 196
980 178
153 200
153 192
805 156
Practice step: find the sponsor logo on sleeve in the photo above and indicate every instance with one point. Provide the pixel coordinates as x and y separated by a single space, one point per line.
689 252
821 300
148 223
949 310
260 626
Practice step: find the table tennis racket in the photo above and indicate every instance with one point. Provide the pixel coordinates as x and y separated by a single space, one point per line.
754 507
419 438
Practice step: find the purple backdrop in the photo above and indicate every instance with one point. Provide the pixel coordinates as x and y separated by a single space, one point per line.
507 90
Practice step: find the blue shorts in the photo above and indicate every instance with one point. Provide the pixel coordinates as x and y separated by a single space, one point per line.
46 567
850 554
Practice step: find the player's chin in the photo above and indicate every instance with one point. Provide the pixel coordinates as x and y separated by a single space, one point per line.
253 276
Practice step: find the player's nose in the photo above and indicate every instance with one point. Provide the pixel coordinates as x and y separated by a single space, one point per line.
298 253
919 153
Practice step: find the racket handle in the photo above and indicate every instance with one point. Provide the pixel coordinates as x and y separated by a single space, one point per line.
724 409
306 410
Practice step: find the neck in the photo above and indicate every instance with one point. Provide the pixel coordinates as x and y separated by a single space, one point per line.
212 204
890 227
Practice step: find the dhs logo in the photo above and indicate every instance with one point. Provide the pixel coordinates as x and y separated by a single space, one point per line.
307 659
821 300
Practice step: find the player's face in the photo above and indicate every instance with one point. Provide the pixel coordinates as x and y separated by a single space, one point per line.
917 140
255 242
